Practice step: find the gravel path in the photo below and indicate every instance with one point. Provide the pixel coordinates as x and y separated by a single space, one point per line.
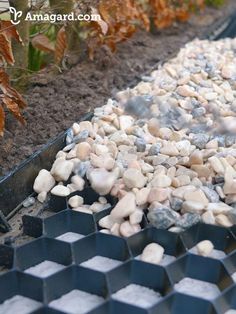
167 145
89 84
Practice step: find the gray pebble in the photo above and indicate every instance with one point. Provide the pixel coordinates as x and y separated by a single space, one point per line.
200 140
166 165
210 69
140 123
147 78
81 137
176 203
188 220
220 139
195 103
212 195
69 147
198 126
198 112
69 137
219 180
230 140
82 169
162 218
140 143
28 202
138 132
154 149
139 106
209 185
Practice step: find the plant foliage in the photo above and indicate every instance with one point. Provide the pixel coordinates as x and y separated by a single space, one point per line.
9 97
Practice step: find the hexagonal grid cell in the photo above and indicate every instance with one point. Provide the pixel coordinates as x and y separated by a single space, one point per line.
171 242
230 264
100 251
178 303
223 240
226 303
198 276
58 203
66 225
139 284
106 212
71 290
20 293
43 257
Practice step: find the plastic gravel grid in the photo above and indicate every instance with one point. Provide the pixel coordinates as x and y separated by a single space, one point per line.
15 260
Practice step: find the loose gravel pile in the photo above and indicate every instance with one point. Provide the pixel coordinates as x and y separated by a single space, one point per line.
166 147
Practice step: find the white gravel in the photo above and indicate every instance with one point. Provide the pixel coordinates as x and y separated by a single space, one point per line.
101 263
197 288
217 254
44 269
167 145
19 305
137 295
70 237
77 302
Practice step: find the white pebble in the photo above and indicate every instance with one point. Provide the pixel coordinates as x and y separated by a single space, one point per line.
60 190
76 201
42 197
205 248
44 182
153 253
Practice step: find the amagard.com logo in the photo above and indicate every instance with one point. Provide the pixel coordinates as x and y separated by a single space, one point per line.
51 18
15 15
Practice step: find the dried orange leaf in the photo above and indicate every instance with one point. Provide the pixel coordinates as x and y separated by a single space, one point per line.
42 43
13 107
9 30
61 45
5 49
103 25
10 91
4 80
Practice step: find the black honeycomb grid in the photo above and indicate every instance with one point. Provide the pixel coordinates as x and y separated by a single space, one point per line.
160 278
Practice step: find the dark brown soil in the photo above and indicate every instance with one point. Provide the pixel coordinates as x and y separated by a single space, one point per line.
55 102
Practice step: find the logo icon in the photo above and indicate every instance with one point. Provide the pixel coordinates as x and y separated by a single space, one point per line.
15 15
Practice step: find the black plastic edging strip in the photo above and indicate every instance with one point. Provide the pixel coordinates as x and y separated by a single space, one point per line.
18 184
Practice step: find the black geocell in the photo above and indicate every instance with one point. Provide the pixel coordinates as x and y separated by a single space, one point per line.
17 186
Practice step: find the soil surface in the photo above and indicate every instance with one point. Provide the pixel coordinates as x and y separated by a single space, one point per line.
56 101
